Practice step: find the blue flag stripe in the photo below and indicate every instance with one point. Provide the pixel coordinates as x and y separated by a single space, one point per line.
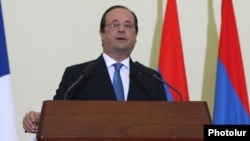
227 98
168 93
4 69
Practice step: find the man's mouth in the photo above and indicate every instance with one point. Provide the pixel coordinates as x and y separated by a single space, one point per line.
121 38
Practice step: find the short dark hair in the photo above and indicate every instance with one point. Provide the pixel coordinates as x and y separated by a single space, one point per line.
103 20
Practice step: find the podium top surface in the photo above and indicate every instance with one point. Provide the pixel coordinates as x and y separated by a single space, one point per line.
131 120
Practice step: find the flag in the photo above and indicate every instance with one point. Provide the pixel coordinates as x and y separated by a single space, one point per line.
8 128
171 62
231 101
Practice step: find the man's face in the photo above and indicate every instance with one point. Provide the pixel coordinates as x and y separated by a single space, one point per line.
120 35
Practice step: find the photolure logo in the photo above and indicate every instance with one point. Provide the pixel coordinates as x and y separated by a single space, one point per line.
240 132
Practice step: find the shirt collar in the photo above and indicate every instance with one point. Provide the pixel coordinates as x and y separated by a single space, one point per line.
110 61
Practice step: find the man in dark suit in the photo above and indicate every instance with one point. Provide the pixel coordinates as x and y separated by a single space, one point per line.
118 32
98 85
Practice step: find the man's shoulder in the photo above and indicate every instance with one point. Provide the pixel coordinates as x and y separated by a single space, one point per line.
78 68
145 69
85 64
80 65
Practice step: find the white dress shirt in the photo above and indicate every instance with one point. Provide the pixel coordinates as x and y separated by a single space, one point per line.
124 72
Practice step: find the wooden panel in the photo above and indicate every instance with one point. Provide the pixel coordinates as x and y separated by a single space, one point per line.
120 121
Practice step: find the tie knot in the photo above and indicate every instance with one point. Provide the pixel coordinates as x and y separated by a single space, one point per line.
118 66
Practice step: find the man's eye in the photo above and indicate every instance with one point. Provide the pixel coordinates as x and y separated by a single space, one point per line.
128 25
115 24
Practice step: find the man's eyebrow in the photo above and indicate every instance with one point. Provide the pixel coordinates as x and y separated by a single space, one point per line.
115 20
128 21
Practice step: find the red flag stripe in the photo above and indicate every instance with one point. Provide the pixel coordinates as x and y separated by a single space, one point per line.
171 62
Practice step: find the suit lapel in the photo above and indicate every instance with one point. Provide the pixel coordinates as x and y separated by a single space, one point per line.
137 89
102 77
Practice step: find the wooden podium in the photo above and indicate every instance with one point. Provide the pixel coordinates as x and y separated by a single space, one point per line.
122 121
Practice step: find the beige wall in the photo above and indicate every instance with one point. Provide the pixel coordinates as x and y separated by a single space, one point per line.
45 36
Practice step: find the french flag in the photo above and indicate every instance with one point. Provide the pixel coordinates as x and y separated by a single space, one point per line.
8 128
171 62
231 99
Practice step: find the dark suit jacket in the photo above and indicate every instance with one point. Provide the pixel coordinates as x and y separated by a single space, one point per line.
98 86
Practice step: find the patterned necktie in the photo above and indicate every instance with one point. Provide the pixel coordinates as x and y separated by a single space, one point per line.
117 82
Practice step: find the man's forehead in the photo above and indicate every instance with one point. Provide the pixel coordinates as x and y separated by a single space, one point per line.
119 14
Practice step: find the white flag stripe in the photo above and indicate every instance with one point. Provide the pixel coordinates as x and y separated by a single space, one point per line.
8 128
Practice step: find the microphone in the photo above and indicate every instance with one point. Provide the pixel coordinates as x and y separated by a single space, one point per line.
152 73
83 74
